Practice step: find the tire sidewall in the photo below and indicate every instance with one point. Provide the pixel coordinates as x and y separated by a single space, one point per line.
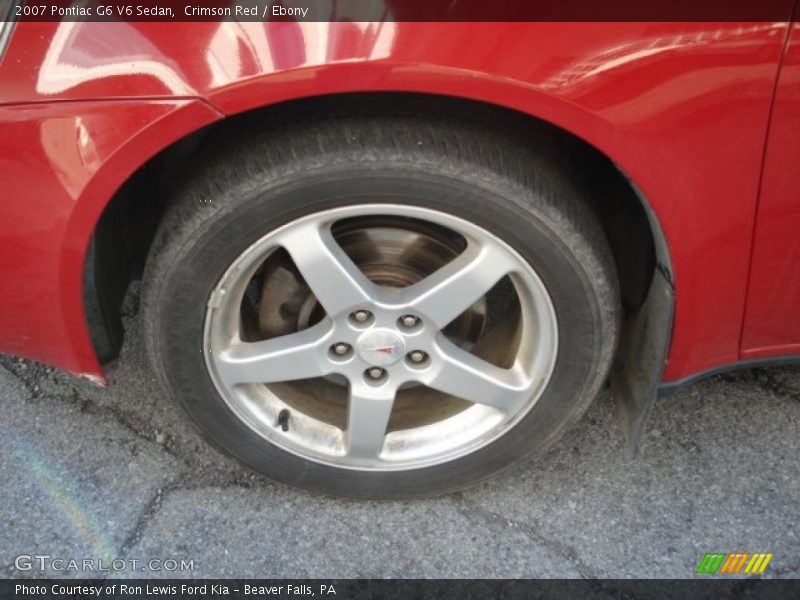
239 216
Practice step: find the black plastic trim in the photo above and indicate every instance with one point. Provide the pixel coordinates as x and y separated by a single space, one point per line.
668 388
645 339
641 358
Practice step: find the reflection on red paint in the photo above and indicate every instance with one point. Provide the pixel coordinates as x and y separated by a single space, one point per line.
682 108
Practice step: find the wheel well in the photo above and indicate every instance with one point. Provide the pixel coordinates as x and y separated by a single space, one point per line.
125 231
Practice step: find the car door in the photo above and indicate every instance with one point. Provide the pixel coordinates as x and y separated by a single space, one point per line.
772 317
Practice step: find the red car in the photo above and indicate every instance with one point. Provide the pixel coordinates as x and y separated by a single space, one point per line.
386 259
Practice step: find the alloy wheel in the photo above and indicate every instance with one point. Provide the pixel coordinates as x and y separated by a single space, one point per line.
380 337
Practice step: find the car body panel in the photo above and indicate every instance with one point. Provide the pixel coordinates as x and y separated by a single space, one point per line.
681 108
59 165
772 324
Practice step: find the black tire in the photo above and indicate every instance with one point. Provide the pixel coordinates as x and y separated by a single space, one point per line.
259 181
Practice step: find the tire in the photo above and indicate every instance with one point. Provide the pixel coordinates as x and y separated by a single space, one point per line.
513 197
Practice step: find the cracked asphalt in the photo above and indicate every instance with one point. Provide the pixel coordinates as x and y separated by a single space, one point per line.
118 473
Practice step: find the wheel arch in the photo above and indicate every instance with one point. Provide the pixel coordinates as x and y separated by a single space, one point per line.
647 281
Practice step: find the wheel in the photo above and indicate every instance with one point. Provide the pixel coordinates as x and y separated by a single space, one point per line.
383 306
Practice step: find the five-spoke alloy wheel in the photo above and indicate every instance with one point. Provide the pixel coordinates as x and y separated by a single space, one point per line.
380 340
380 303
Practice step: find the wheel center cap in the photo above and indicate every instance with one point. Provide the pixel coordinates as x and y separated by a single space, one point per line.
380 347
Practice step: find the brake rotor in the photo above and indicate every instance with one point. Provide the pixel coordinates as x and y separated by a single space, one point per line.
390 252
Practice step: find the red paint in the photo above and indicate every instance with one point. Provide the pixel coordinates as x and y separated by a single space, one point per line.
682 108
772 324
59 164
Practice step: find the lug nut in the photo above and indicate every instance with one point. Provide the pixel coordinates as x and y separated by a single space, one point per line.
340 349
375 373
417 356
362 316
409 321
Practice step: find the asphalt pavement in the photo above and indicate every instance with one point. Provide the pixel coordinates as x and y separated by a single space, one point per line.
118 473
